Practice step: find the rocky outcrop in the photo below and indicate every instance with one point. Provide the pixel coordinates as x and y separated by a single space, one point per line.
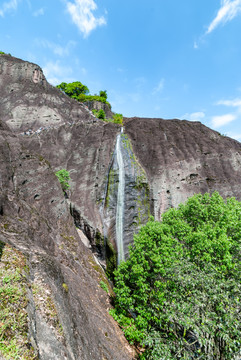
164 162
29 104
97 105
63 277
182 158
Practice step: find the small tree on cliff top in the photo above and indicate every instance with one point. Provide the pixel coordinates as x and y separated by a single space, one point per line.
73 89
179 292
103 94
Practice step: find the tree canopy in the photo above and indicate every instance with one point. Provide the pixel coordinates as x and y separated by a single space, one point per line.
178 294
73 89
78 91
103 94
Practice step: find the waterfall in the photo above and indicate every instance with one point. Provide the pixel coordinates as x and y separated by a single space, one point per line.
120 200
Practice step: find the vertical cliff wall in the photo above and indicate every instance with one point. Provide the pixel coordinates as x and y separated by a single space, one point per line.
67 309
182 158
134 197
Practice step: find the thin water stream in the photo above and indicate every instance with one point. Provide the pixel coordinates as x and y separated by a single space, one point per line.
120 200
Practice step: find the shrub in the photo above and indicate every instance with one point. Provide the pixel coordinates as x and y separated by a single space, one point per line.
85 98
178 294
104 286
3 53
118 119
63 177
103 94
101 114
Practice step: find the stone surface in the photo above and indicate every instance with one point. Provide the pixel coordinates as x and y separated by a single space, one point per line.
182 158
97 105
28 102
136 197
35 219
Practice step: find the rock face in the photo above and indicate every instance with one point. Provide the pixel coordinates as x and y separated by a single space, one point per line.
62 273
136 205
97 105
163 162
182 158
28 102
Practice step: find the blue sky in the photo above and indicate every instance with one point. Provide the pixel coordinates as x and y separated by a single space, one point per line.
156 58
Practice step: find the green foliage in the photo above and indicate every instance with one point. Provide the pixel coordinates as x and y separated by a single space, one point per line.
78 91
118 119
14 343
63 177
3 53
74 89
101 114
104 286
179 292
85 98
103 94
65 287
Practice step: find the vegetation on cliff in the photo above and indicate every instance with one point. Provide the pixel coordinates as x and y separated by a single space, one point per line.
3 53
178 294
14 342
63 177
80 92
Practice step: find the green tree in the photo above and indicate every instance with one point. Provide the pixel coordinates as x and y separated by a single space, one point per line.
179 292
73 89
63 177
103 94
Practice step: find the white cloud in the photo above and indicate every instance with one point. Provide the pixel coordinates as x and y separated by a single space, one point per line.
221 120
159 87
55 48
38 12
55 73
195 116
233 103
82 15
8 6
229 9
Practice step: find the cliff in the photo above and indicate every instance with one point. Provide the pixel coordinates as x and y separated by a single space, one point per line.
67 308
163 162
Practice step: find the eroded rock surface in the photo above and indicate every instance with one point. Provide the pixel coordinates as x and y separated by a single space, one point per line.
63 276
182 158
